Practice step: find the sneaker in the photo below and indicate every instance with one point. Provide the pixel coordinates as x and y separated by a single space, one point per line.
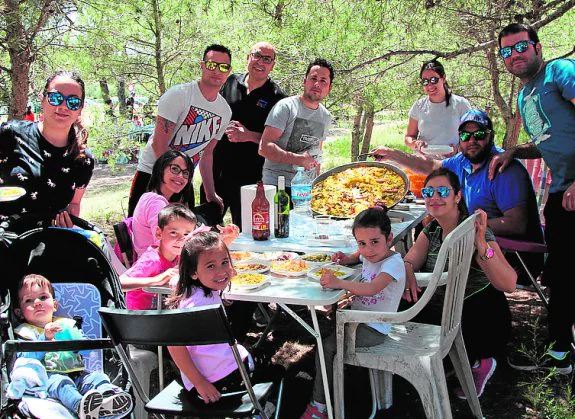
116 404
90 404
312 412
481 375
520 361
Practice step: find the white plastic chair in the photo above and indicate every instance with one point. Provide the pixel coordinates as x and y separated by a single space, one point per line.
416 350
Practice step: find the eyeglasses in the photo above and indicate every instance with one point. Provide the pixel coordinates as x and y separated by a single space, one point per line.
432 80
479 135
73 102
520 47
265 58
212 65
175 170
442 191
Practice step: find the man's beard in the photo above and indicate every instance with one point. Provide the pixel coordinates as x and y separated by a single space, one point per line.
482 155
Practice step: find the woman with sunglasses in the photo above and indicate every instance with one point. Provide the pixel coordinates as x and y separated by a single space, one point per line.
486 320
433 119
170 182
48 159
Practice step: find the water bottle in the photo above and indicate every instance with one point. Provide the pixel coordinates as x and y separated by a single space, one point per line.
301 217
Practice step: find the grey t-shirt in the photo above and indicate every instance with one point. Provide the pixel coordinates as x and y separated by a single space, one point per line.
302 129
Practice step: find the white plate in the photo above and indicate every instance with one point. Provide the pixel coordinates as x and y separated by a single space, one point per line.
290 273
265 281
274 255
315 275
437 149
316 264
11 193
249 255
339 240
266 267
251 287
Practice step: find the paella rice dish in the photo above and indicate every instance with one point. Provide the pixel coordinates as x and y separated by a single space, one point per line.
347 193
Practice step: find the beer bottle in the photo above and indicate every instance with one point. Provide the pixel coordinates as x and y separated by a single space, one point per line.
260 214
281 201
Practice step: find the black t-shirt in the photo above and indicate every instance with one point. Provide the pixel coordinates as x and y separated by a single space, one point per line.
49 174
238 161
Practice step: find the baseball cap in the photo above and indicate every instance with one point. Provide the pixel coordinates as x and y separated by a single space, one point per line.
479 117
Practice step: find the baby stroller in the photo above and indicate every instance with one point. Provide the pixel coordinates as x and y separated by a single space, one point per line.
84 281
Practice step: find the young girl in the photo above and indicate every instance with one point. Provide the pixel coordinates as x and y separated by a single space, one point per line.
205 271
379 289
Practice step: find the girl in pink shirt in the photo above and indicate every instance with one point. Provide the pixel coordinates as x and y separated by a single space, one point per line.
205 271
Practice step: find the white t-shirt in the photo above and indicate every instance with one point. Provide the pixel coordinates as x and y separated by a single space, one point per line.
197 122
303 129
437 124
387 299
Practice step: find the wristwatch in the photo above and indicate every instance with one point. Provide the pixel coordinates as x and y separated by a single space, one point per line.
489 252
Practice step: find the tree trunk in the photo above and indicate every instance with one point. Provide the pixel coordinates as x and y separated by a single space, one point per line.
158 47
105 89
369 117
122 96
356 130
513 129
19 50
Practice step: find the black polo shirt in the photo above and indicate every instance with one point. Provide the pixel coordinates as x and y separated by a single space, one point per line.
240 163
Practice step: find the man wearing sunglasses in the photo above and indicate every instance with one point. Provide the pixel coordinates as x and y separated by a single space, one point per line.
192 118
296 127
251 97
547 106
508 199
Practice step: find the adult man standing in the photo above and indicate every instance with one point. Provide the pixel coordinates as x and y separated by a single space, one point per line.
546 103
296 127
192 117
508 199
251 97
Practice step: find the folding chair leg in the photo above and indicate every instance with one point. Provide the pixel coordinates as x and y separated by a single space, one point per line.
538 289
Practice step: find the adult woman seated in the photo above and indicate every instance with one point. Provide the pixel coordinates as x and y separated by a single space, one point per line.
49 159
434 119
486 320
170 181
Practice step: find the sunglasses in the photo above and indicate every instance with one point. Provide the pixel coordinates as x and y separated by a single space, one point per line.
73 102
212 65
442 191
520 47
175 170
265 58
432 80
479 135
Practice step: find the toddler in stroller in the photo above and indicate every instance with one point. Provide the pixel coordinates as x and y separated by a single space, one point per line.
84 280
90 394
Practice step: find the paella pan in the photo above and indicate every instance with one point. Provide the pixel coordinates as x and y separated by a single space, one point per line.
346 190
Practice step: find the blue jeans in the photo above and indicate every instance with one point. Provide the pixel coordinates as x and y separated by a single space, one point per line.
69 393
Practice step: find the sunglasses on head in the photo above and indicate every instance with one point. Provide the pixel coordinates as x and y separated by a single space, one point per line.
432 80
73 102
520 47
266 59
176 170
212 65
442 191
479 135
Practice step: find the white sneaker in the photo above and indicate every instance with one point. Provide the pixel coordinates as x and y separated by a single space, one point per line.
116 404
90 404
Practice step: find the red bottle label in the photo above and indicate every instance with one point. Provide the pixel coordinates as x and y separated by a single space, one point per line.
261 220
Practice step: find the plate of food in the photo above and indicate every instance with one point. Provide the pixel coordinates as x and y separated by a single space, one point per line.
437 150
292 267
317 259
11 193
242 256
253 266
341 272
249 281
279 255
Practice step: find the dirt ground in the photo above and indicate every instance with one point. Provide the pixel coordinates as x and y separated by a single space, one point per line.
289 351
